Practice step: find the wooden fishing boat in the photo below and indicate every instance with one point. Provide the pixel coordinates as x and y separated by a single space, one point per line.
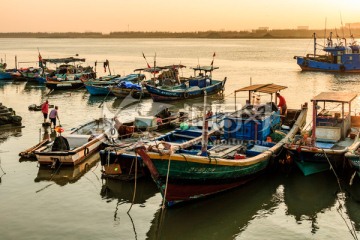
102 86
116 162
68 76
235 161
192 88
333 133
338 57
73 148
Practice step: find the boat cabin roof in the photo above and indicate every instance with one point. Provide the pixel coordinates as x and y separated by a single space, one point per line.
343 97
63 60
263 88
160 68
205 68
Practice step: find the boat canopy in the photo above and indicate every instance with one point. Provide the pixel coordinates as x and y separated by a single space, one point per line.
63 60
342 97
151 70
205 68
263 88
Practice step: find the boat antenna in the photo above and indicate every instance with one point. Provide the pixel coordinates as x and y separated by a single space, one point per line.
351 36
325 31
337 37
342 26
154 65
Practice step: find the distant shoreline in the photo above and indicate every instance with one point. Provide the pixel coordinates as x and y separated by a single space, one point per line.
254 34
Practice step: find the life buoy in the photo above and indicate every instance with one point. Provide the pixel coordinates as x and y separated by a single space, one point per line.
186 94
112 131
86 151
342 68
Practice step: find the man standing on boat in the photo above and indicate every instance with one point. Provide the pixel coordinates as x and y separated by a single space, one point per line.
282 104
53 116
45 109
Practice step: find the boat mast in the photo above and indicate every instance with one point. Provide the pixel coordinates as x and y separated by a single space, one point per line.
204 140
314 44
313 135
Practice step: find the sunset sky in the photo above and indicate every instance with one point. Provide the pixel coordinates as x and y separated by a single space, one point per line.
176 16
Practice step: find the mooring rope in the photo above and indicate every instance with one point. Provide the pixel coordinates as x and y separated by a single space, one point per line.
167 181
352 230
132 202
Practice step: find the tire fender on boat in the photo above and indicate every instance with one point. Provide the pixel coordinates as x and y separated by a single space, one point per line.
186 94
342 68
86 151
112 131
305 63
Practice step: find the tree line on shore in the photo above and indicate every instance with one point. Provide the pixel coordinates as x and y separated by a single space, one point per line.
276 33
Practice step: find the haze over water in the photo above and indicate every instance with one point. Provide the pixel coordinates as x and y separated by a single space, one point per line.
74 204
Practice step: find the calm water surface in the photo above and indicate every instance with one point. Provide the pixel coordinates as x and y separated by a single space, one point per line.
77 204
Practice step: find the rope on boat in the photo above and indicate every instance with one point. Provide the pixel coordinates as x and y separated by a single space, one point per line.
2 168
352 230
50 92
132 202
352 178
167 181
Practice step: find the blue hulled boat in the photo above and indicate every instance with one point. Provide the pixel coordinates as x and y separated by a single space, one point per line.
338 57
4 75
102 86
190 88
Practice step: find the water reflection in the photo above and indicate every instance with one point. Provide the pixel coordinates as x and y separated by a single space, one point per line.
308 196
6 133
352 202
231 211
66 174
123 191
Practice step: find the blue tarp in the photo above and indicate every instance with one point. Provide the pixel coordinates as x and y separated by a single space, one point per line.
129 85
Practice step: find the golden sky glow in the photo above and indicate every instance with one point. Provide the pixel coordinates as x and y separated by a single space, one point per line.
176 16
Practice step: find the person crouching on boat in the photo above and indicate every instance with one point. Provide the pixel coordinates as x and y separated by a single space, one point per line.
53 116
45 109
282 104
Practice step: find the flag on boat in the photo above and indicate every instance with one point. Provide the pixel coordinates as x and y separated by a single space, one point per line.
212 62
146 60
40 61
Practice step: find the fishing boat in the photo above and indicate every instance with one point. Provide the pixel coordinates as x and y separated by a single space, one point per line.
68 76
250 145
117 160
338 57
194 87
100 86
73 148
137 89
332 134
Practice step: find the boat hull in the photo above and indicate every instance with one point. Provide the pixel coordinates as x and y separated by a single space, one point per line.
98 90
73 157
64 85
189 180
314 160
311 65
159 95
5 76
